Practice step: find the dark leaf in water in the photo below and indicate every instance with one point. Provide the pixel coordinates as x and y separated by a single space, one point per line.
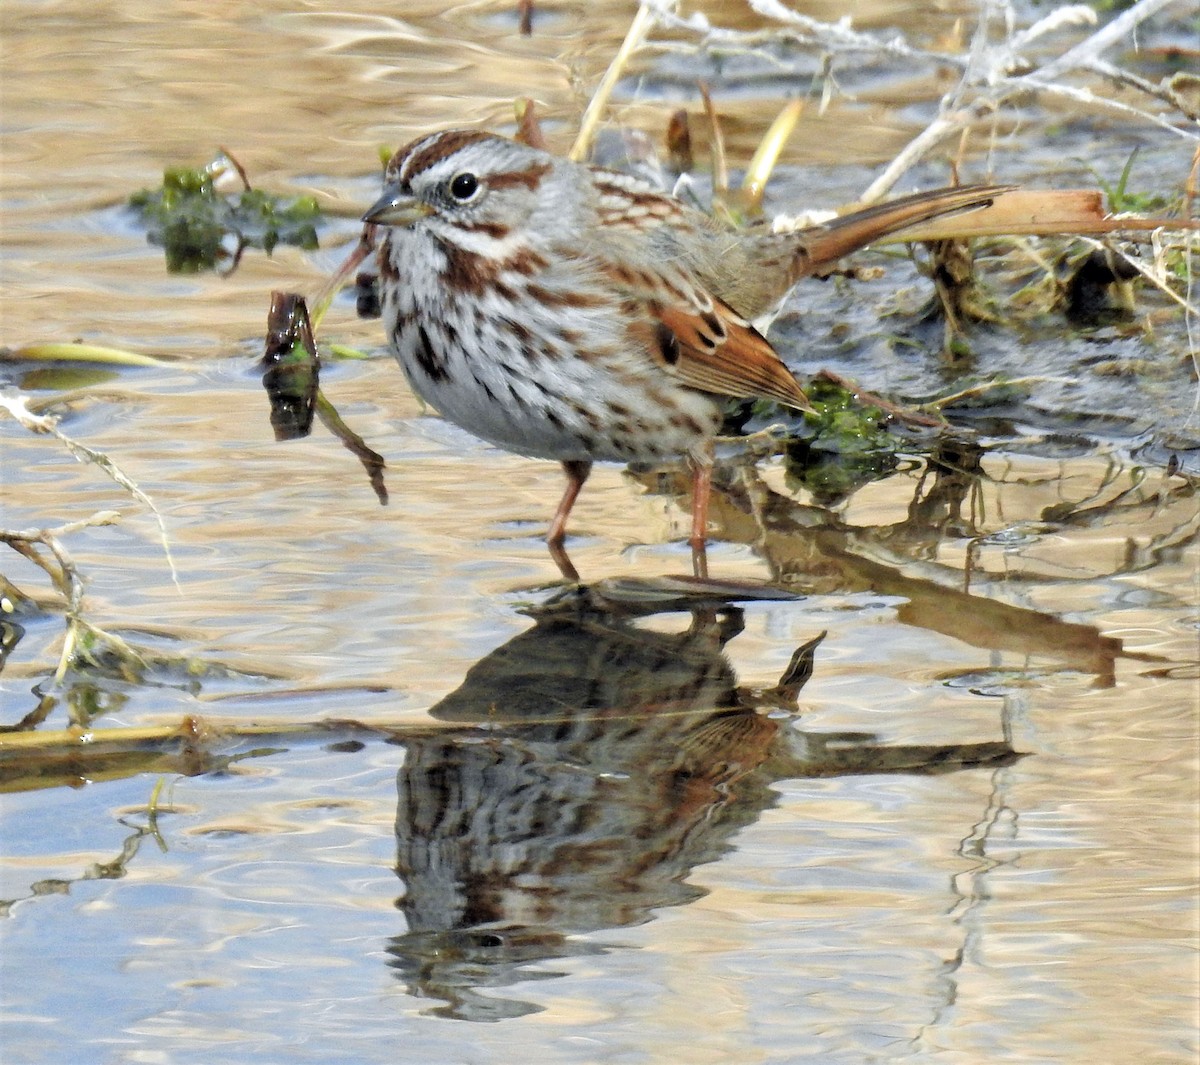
290 366
1092 284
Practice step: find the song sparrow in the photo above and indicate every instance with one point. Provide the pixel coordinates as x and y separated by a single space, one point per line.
569 312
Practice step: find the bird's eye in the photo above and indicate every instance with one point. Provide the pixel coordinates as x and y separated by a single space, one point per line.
464 186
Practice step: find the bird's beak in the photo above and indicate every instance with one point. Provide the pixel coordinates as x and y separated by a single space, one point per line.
397 209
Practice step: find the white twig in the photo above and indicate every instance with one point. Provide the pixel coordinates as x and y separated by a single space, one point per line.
1104 38
15 407
1074 15
834 38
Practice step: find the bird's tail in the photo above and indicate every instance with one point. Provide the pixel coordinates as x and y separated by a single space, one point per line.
819 247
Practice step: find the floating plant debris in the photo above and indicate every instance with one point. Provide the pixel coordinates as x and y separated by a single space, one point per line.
200 228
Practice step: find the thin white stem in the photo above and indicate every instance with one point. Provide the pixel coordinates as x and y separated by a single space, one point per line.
1105 37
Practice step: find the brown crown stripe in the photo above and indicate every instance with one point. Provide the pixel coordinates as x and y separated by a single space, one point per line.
425 152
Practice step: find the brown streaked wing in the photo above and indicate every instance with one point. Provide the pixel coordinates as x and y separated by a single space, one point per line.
699 340
627 202
718 351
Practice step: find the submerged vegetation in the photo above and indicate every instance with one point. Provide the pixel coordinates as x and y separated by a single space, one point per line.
201 228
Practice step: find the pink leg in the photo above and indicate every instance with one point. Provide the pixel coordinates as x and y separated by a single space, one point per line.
563 561
701 489
577 472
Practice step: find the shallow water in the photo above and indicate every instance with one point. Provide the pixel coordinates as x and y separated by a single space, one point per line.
594 818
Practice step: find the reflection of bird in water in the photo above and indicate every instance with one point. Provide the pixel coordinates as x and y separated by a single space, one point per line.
611 759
